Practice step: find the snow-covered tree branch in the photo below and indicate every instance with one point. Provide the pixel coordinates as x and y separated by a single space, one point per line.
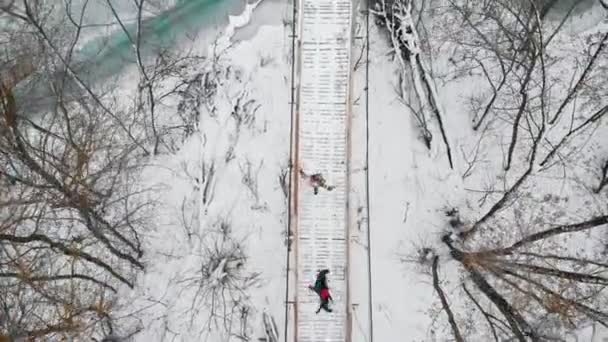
524 273
397 17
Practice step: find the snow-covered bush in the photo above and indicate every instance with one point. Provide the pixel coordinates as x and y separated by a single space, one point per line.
220 298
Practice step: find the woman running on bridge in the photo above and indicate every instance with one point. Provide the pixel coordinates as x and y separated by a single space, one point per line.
322 290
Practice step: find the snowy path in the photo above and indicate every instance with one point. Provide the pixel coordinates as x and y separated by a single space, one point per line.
320 222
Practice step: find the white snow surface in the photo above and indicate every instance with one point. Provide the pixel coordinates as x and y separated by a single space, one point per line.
169 299
410 189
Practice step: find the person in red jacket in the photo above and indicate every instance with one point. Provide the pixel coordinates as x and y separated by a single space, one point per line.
321 289
325 298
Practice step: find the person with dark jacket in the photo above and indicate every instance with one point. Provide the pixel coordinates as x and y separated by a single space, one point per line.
322 290
321 281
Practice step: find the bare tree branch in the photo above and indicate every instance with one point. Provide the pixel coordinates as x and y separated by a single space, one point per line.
444 302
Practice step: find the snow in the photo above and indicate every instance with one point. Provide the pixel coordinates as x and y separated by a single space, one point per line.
234 23
245 195
216 246
410 189
406 200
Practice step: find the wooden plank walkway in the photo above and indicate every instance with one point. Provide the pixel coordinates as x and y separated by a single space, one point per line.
320 223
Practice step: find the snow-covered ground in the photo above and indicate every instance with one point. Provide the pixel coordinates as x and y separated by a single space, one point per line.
408 188
217 252
216 255
412 187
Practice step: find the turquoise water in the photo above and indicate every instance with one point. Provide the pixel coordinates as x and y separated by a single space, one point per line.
107 55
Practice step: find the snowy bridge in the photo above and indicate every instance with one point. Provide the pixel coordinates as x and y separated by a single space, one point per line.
320 143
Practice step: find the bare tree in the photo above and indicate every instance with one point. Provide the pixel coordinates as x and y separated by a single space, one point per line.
557 286
220 298
71 216
165 75
444 301
71 207
525 275
511 44
603 178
